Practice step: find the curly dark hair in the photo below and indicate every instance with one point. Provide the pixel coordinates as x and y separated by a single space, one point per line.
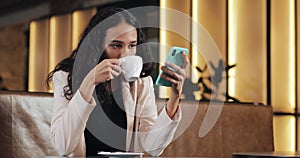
116 15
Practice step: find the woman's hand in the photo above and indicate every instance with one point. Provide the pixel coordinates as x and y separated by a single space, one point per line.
176 78
106 70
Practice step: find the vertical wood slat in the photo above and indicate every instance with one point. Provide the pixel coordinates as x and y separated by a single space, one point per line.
247 49
38 55
169 38
60 39
283 56
214 22
283 71
80 19
297 24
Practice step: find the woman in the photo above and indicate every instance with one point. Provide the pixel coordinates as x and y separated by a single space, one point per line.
72 111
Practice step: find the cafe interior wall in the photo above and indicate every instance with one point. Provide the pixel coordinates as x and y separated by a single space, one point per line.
260 36
262 39
13 55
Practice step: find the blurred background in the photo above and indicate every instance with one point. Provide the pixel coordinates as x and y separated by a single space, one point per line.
258 40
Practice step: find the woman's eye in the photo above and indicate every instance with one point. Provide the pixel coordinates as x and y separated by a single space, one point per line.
116 45
132 45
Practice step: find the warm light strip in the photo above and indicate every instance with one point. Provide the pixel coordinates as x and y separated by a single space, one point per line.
284 133
52 48
32 56
231 46
75 28
195 55
80 20
293 134
162 92
292 52
162 32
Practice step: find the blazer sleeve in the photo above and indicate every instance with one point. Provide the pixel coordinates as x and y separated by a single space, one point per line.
69 117
155 131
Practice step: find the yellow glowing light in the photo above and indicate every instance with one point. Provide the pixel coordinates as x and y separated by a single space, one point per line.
231 46
162 32
32 57
38 55
52 48
162 92
75 28
284 133
292 52
80 19
293 135
194 52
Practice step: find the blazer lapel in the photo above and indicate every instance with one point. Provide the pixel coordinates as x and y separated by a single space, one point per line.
129 97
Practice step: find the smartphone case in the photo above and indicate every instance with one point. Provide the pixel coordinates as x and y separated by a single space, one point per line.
174 57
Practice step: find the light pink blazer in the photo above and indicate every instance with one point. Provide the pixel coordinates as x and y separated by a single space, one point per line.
153 132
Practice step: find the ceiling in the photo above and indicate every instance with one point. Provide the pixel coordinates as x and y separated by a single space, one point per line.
11 6
16 11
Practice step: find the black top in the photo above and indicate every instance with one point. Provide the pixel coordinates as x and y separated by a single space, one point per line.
114 111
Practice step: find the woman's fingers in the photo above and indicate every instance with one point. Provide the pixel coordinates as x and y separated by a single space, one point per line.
176 79
107 63
173 79
113 71
175 74
116 70
107 69
185 60
178 73
112 61
173 66
170 79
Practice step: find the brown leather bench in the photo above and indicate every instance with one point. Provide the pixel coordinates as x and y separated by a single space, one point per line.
25 121
239 128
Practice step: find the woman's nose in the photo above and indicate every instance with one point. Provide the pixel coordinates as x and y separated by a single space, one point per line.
126 52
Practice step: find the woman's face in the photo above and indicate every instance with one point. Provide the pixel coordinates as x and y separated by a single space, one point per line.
120 40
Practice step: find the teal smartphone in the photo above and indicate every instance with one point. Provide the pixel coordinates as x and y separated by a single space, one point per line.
174 57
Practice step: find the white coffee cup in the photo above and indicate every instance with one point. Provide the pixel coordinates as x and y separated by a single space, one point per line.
131 67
